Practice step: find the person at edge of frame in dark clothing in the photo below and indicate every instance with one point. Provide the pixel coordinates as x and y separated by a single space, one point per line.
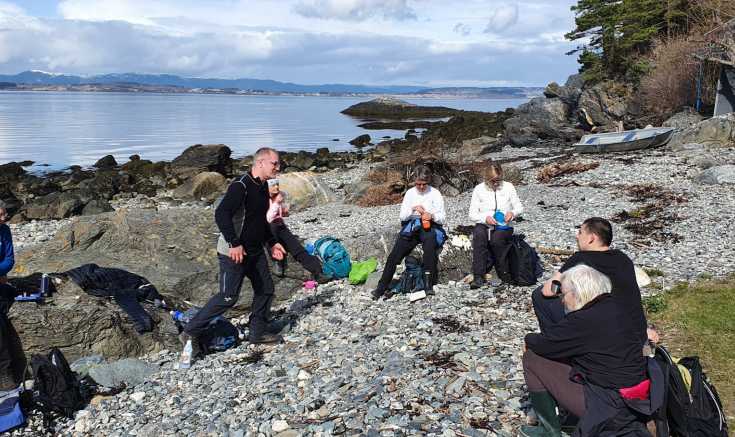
7 293
241 218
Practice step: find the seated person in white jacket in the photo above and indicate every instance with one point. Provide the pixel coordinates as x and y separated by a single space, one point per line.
420 202
493 195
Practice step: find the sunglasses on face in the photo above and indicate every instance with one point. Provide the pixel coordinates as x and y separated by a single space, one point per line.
495 182
276 164
422 185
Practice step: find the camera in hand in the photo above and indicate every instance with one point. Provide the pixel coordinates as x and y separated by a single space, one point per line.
556 287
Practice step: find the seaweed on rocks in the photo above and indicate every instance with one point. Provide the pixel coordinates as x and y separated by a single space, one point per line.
649 221
449 324
396 125
444 360
480 424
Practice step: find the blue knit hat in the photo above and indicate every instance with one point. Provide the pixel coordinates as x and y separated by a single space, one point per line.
272 182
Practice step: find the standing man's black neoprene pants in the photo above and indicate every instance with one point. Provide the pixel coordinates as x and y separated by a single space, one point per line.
255 267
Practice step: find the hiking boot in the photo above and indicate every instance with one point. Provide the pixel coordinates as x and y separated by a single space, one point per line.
267 338
278 268
322 278
7 383
428 285
377 294
196 350
477 282
389 293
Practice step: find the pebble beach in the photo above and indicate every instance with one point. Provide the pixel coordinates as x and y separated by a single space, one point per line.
448 365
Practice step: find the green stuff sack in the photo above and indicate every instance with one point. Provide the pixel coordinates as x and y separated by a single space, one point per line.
361 271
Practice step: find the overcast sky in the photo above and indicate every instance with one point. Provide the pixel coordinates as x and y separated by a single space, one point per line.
400 42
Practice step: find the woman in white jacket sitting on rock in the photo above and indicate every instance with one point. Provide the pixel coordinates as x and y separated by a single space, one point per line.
491 196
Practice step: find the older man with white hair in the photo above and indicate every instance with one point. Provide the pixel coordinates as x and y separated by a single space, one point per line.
591 363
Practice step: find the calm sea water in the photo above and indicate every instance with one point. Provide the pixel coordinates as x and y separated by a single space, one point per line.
62 129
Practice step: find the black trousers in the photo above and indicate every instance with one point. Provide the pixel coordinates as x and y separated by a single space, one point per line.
255 267
549 310
403 248
294 247
6 330
9 339
497 244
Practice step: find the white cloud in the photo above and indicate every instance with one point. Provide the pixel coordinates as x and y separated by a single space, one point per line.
503 18
354 10
462 29
264 40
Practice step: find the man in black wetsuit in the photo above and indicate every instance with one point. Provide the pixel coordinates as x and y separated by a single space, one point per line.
241 218
593 240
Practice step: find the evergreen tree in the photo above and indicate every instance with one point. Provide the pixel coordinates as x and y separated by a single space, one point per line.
620 30
599 21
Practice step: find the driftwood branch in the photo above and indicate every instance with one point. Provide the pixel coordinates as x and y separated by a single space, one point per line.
716 60
554 251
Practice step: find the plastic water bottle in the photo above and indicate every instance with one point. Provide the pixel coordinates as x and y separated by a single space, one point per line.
186 355
181 317
499 217
44 285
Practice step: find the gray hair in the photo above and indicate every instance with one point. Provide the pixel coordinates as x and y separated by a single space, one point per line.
2 206
422 173
585 283
264 153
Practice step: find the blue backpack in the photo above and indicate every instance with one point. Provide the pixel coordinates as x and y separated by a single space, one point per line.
411 278
335 258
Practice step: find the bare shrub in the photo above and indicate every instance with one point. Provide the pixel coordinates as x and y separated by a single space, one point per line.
671 82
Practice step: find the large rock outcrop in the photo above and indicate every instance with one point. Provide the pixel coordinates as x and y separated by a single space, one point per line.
173 249
305 189
715 132
199 158
82 325
602 106
540 118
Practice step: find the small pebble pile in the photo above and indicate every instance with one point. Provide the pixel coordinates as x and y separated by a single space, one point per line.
448 365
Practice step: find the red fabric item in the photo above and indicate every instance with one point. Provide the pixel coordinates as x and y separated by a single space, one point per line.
639 391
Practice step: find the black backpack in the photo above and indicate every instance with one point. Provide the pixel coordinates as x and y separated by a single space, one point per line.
411 278
218 336
519 264
684 413
55 386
